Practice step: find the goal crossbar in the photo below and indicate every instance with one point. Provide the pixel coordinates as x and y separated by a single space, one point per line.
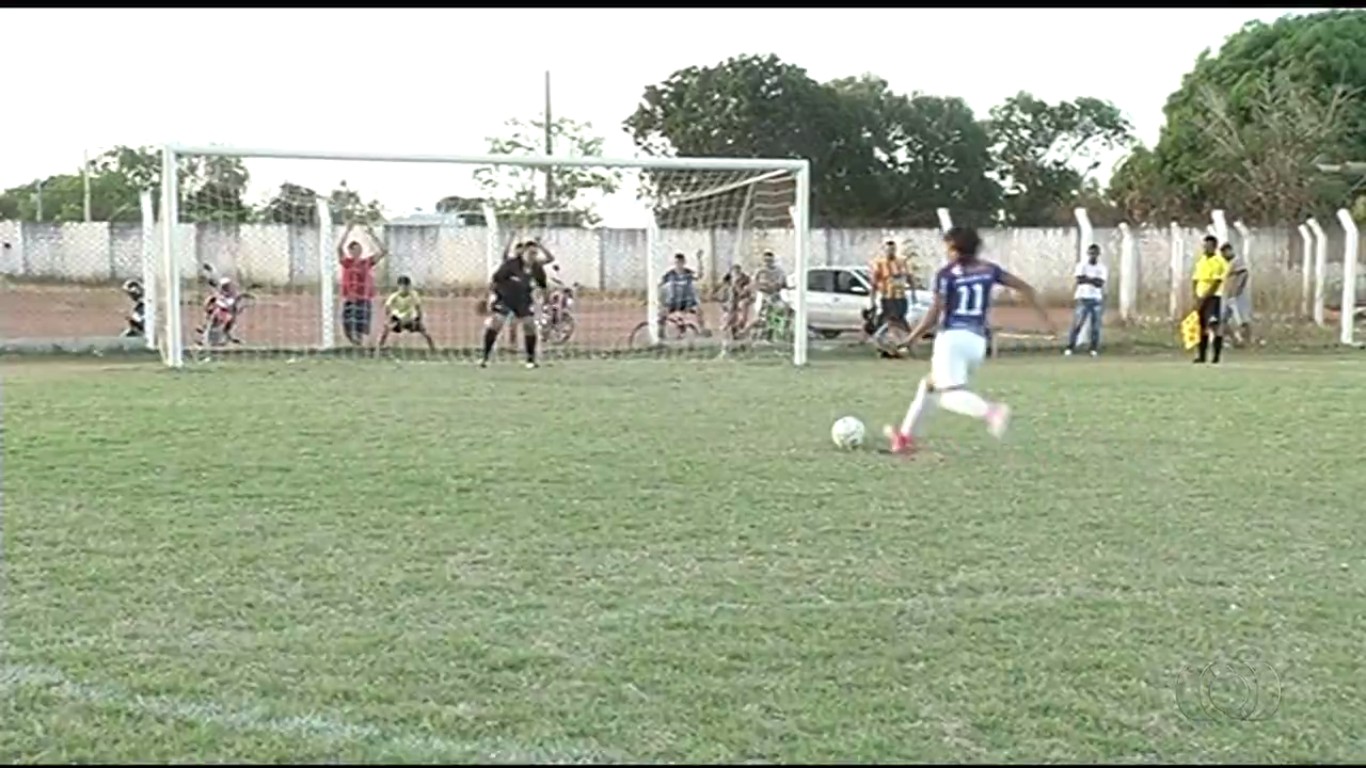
533 161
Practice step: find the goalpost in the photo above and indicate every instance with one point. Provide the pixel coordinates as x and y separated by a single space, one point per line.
278 224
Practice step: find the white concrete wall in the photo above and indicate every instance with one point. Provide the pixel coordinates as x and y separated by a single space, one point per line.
613 259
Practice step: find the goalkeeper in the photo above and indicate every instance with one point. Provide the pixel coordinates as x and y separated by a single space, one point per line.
511 290
404 308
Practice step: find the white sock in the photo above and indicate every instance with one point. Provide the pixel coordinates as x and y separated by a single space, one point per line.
921 407
967 403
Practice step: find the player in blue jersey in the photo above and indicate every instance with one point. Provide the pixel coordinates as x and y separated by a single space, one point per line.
962 305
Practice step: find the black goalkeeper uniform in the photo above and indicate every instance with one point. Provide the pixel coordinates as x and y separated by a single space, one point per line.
513 287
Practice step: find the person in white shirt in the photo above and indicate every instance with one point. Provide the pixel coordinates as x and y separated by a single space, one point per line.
1089 297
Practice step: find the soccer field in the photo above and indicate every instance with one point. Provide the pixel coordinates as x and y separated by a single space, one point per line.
607 561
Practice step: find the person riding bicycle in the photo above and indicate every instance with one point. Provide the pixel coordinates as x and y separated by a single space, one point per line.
679 286
769 281
136 316
737 296
220 309
557 291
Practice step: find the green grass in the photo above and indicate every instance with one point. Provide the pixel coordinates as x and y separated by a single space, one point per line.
654 561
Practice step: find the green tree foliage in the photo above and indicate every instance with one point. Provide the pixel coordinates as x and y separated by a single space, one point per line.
1265 166
918 153
213 190
880 158
291 204
347 207
1262 68
748 106
1046 152
517 192
297 204
118 177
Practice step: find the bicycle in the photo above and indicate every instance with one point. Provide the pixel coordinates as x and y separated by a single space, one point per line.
673 327
734 312
774 323
222 317
556 317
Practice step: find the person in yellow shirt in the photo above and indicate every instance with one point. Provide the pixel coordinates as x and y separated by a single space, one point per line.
404 308
1207 281
891 282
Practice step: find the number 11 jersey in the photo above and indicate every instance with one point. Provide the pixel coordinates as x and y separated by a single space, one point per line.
965 290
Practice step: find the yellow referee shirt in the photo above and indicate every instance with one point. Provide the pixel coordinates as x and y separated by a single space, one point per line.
1209 274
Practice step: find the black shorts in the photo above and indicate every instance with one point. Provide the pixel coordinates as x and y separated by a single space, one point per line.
411 325
1210 307
894 310
681 305
356 316
517 307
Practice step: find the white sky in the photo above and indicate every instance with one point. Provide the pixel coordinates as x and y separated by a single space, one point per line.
441 81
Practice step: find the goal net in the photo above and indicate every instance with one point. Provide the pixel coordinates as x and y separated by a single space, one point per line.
301 254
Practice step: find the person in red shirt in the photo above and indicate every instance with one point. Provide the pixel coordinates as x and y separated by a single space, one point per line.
357 285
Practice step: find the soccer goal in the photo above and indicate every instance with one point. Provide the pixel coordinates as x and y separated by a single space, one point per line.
298 253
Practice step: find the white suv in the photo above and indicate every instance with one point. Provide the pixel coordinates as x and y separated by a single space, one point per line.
836 298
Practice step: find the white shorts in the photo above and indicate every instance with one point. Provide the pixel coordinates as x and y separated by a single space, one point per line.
1237 311
957 353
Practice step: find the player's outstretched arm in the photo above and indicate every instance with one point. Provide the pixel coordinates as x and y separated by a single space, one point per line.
379 243
1032 296
549 257
341 244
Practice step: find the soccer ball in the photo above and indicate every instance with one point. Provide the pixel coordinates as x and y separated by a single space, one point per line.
848 433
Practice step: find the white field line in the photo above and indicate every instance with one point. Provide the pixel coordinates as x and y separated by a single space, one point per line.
369 739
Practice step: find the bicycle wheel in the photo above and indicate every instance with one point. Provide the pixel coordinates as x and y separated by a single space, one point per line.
679 330
640 337
560 332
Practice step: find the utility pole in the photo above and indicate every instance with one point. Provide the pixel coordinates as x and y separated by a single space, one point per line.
85 183
549 148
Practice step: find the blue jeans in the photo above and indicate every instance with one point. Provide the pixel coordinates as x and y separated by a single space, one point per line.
1086 309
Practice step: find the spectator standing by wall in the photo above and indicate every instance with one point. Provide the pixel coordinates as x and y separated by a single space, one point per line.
1089 300
357 285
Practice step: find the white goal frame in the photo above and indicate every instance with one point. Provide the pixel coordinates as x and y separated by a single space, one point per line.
174 351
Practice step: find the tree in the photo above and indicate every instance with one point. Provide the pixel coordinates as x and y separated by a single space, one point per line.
212 190
1045 152
1263 160
1139 190
209 188
513 189
297 204
926 152
347 207
1283 65
292 204
878 158
746 106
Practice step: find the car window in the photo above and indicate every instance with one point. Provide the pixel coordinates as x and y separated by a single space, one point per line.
822 280
847 282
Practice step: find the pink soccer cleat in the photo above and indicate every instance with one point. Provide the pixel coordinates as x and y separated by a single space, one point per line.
901 444
998 420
